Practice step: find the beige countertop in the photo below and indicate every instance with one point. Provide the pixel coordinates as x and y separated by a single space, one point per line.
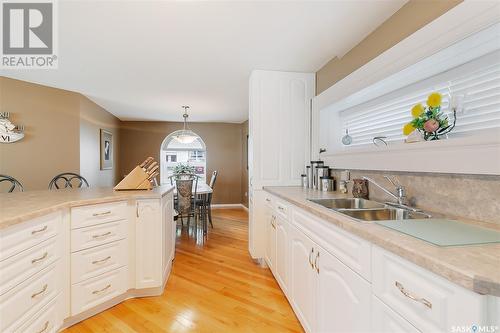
476 267
21 206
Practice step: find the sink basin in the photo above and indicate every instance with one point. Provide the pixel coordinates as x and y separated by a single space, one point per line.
384 214
348 203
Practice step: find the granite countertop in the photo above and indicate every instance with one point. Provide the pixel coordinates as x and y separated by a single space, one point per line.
475 267
22 206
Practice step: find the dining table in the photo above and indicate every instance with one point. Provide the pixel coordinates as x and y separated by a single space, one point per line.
202 191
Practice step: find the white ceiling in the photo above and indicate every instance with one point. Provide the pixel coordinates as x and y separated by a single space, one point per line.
142 60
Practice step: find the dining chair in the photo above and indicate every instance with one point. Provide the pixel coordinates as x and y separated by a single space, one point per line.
14 183
209 197
67 179
186 190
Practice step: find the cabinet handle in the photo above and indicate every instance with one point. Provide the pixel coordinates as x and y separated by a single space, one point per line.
316 263
137 209
95 292
45 326
34 261
268 200
310 259
102 235
281 208
101 214
95 262
40 292
411 296
34 232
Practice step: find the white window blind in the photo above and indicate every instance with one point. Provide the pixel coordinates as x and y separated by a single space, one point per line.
478 81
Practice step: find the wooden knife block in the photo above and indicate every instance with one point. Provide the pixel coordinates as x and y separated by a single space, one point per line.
137 179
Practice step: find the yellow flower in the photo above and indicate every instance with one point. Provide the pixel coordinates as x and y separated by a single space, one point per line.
434 100
417 110
408 129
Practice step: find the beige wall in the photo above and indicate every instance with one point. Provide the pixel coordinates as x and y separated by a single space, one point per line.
51 145
93 118
411 17
224 151
244 164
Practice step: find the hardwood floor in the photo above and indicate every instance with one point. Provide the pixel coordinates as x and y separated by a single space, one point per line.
214 287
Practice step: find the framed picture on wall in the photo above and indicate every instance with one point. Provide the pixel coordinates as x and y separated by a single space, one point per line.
106 150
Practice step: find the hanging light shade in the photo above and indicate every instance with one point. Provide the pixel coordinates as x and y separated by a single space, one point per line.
185 135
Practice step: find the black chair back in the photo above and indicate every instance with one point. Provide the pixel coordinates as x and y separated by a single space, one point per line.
66 180
12 183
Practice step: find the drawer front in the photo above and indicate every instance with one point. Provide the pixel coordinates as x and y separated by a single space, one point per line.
282 209
92 292
269 200
100 234
97 260
353 251
385 320
18 268
22 236
85 216
47 320
29 297
429 302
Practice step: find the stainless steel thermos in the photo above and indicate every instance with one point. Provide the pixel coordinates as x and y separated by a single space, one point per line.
314 166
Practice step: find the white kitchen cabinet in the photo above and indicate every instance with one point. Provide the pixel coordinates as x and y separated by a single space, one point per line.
281 265
385 320
303 279
168 232
278 147
148 235
342 296
271 242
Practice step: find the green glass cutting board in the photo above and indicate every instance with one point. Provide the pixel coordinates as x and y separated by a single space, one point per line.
443 232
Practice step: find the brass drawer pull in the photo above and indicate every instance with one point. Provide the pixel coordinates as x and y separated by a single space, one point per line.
34 261
310 259
268 200
40 292
411 296
101 214
102 235
316 263
281 208
95 262
45 326
34 232
95 292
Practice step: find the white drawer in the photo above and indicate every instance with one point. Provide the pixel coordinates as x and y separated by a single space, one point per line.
431 303
18 268
92 292
100 234
85 216
22 236
47 320
353 251
282 208
385 320
97 260
269 200
29 297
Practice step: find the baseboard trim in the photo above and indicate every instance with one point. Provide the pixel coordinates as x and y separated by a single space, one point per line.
228 206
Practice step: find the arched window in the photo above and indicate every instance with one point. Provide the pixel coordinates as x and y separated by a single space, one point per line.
173 152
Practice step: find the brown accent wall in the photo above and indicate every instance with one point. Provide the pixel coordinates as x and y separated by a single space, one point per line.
93 118
244 164
224 151
411 17
51 145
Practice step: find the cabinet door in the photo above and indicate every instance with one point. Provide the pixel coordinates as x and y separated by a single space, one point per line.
281 260
302 286
168 241
148 244
385 320
342 298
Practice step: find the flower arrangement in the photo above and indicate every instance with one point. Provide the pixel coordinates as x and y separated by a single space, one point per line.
183 169
429 121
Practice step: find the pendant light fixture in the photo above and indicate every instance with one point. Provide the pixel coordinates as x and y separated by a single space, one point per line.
185 135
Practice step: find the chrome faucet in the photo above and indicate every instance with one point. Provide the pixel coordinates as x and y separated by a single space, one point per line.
400 195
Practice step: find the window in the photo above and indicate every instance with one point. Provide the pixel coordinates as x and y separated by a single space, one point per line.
478 81
174 152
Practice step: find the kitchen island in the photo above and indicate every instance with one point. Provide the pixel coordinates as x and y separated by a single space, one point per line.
66 255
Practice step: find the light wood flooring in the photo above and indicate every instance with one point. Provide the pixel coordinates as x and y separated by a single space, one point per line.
213 287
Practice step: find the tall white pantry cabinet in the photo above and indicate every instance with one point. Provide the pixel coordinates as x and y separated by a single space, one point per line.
279 139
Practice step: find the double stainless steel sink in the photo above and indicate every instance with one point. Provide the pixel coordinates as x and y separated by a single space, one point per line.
368 210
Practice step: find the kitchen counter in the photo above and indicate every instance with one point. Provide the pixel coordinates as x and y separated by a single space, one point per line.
476 267
22 206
